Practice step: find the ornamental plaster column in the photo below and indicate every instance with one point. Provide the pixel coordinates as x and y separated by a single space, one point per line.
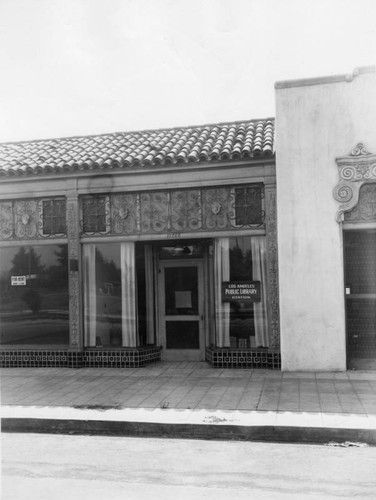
272 265
75 337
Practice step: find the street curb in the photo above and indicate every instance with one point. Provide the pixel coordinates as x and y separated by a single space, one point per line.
263 433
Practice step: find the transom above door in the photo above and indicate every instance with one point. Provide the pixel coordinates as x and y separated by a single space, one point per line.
181 310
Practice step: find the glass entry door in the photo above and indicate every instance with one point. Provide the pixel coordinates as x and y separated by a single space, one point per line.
181 310
360 275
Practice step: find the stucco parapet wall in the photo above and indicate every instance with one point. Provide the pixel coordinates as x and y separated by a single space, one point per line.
321 80
354 171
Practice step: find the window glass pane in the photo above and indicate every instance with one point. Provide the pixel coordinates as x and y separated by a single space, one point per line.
34 298
242 328
103 305
181 288
248 321
240 259
241 323
118 304
142 293
182 249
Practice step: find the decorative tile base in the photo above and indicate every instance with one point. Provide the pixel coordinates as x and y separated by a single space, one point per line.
239 358
129 358
93 358
134 358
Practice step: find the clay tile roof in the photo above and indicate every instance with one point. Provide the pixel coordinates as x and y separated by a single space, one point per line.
207 143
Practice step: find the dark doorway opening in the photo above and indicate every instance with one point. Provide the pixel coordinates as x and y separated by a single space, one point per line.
360 289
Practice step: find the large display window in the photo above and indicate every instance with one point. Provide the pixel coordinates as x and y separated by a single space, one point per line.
240 263
115 301
133 293
34 298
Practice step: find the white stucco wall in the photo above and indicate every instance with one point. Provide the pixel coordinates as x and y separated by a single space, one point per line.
316 121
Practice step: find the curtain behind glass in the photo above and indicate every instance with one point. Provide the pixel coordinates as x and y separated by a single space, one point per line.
100 288
258 245
149 283
128 297
90 296
222 273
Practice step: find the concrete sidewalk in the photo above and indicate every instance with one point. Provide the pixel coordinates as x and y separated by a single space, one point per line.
192 400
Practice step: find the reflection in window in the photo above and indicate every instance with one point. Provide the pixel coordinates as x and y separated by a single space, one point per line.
241 324
102 295
110 295
34 298
118 295
182 249
144 273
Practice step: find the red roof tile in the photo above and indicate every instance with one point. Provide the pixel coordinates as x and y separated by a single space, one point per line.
208 143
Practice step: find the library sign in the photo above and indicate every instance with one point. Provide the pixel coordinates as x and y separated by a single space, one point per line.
241 291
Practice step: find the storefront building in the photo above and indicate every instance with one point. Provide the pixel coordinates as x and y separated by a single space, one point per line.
123 249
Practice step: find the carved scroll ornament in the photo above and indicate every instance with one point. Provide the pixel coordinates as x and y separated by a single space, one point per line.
365 210
355 170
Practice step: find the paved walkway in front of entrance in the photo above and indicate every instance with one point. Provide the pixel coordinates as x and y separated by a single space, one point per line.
189 393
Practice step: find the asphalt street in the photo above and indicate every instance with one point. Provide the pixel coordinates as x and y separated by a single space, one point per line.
57 467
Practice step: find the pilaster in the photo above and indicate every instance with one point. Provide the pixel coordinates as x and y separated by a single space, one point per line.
75 337
272 265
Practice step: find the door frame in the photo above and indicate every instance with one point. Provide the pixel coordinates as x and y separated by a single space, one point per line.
181 354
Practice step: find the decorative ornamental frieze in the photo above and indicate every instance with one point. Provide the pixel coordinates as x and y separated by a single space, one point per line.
365 210
26 219
124 214
218 208
154 208
186 211
6 220
173 211
32 219
354 171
